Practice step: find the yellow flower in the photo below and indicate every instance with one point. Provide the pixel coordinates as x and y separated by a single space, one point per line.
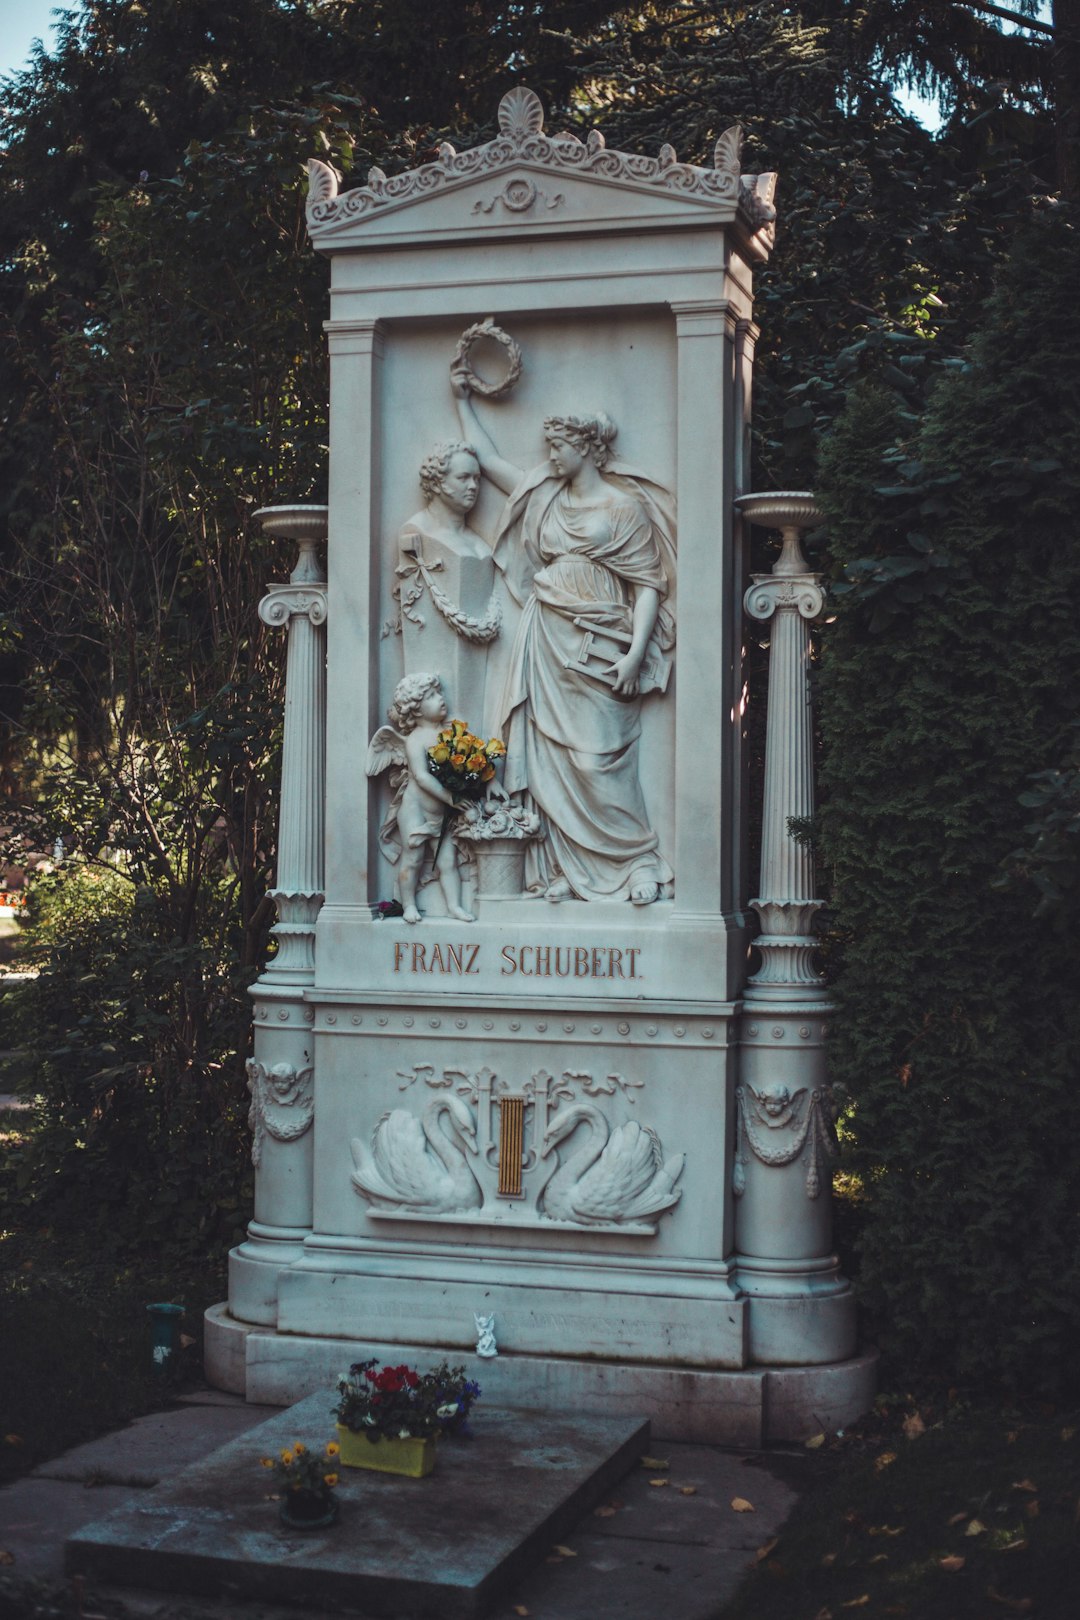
440 754
459 727
286 1457
330 1479
267 1462
298 1449
332 1448
488 774
457 761
496 749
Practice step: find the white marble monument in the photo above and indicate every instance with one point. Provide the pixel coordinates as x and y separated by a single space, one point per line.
514 1078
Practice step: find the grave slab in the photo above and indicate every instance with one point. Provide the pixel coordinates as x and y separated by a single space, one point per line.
447 1546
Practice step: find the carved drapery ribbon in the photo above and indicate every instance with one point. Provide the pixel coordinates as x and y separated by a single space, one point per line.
282 1103
414 572
808 1115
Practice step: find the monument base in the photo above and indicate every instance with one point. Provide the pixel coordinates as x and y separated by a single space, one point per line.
751 1407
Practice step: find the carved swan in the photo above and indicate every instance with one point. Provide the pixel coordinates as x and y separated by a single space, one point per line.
414 1164
616 1177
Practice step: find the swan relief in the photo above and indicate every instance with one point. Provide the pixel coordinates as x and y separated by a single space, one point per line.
414 1164
614 1176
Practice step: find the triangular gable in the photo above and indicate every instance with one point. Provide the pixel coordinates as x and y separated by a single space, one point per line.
526 173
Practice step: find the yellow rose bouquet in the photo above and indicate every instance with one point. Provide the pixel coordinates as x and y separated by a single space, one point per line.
463 763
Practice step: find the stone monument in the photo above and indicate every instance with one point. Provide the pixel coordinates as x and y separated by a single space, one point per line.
511 1079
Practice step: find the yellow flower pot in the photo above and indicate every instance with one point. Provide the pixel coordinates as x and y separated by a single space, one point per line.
411 1457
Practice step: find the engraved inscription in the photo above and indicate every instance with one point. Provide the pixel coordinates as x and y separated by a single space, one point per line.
530 961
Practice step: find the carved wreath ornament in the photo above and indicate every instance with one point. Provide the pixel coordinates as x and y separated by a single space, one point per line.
282 1103
521 138
777 1126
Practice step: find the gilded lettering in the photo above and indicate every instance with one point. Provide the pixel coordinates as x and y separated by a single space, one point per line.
581 962
419 957
615 961
543 961
470 965
633 953
559 969
509 964
399 952
453 954
597 962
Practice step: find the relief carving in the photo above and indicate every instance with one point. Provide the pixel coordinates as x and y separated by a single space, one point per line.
777 1126
586 546
530 1164
282 1103
414 830
521 139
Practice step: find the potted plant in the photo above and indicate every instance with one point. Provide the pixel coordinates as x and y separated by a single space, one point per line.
389 1420
309 1477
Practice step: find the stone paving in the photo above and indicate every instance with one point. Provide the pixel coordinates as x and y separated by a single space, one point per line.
647 1550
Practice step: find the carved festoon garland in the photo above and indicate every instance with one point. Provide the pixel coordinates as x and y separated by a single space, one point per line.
282 1103
521 138
414 572
451 1157
809 1117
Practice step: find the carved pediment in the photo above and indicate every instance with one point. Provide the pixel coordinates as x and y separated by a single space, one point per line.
529 174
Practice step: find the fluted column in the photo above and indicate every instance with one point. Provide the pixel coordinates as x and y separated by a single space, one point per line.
281 1073
301 605
802 1310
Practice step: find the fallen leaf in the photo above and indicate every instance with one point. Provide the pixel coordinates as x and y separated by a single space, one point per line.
519 1608
884 1460
741 1505
607 1512
1011 1437
1025 1485
1018 1605
687 1490
763 1552
655 1463
975 1528
7 1558
659 1484
14 1440
879 1558
814 1441
828 1561
824 1614
913 1426
1032 1508
1067 1434
856 1603
885 1530
1019 1543
564 1552
952 1563
957 1518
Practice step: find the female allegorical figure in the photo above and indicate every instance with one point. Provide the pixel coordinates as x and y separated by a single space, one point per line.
584 544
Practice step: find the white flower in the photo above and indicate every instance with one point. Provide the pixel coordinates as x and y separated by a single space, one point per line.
403 1434
447 1411
369 1420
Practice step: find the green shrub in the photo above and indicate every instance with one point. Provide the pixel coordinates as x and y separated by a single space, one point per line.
949 685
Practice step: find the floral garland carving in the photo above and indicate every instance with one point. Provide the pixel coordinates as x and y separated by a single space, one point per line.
808 1115
282 1103
413 574
521 139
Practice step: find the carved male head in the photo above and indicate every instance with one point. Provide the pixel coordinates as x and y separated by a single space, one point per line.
451 472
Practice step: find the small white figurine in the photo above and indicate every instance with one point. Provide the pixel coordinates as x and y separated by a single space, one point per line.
485 1344
415 821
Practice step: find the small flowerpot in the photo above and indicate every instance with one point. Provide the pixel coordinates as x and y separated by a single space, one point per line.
308 1510
412 1457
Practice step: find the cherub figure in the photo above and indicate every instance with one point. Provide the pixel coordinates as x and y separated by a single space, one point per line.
414 823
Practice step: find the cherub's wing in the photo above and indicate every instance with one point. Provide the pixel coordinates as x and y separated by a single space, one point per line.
386 748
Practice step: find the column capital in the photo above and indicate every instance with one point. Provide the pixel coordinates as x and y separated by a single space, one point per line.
705 317
801 592
285 602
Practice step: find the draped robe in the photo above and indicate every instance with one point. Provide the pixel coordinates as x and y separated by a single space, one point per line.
572 742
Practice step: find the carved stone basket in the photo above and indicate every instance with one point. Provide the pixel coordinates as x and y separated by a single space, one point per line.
495 834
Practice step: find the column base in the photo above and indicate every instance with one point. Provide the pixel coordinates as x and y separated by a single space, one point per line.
801 1312
255 1268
